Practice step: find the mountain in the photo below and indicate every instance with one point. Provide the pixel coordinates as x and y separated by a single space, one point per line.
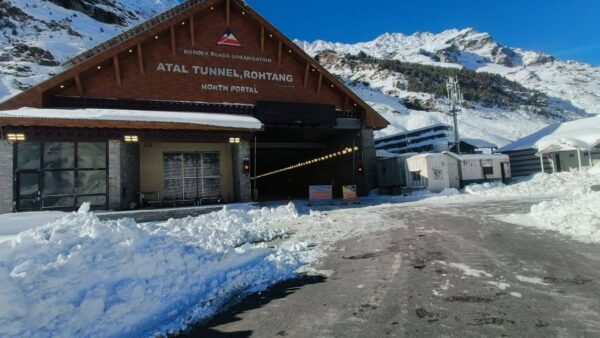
37 36
509 92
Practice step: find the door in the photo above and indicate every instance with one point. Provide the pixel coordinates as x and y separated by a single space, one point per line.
453 174
60 175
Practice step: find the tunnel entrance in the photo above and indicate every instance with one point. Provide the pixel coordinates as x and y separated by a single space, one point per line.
289 160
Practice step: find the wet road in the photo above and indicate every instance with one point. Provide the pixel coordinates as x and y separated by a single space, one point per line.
449 271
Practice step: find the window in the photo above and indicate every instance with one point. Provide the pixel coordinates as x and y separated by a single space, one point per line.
415 176
488 171
438 174
192 176
60 174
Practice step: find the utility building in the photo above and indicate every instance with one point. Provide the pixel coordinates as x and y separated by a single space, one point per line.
207 102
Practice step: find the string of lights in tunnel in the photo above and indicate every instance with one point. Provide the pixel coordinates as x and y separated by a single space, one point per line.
345 151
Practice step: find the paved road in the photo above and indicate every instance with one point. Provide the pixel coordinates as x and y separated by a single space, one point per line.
451 271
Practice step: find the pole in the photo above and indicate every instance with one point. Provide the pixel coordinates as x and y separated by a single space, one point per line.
354 161
579 158
590 158
542 162
255 170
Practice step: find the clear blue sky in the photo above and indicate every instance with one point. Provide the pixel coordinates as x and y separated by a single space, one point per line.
568 29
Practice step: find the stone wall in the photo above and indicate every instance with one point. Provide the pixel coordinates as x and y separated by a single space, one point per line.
123 174
6 177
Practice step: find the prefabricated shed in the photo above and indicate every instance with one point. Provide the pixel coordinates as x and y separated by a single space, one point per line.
428 172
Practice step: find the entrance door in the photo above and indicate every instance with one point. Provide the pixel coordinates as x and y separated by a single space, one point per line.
60 175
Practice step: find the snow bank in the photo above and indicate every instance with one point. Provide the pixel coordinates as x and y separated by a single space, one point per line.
540 185
577 217
80 276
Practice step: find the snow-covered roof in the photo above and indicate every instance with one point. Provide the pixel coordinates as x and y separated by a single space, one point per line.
477 157
579 134
478 143
120 115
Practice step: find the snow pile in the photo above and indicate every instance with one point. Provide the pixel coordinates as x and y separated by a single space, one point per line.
80 276
564 183
578 217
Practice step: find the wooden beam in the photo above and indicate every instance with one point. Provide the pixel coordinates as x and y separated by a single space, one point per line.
78 85
173 46
280 52
306 74
320 83
262 38
228 13
193 31
117 70
140 56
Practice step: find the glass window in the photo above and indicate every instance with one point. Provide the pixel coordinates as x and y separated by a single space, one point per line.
28 184
210 164
91 155
415 175
59 201
59 155
91 182
211 187
96 201
59 182
28 155
488 170
438 174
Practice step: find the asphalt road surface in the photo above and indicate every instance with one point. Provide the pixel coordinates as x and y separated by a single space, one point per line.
448 271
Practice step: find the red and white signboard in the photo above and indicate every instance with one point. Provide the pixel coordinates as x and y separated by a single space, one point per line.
229 39
349 193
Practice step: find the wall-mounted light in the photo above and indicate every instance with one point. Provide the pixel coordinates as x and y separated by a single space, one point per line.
131 138
62 86
131 51
15 137
212 8
183 23
156 37
234 140
99 67
243 13
270 35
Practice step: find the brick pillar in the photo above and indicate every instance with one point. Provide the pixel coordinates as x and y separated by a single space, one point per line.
123 174
6 177
241 181
369 158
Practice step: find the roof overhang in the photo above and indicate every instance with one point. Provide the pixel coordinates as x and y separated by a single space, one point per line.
128 119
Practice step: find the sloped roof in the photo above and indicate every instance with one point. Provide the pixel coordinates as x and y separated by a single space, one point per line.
160 23
583 134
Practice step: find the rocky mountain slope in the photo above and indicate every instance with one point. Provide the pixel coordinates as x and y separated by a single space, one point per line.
401 76
509 92
36 36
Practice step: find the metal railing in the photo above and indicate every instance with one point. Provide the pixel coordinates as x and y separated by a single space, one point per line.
131 33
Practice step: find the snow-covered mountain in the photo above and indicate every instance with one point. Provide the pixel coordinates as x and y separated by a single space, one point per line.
572 89
37 36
